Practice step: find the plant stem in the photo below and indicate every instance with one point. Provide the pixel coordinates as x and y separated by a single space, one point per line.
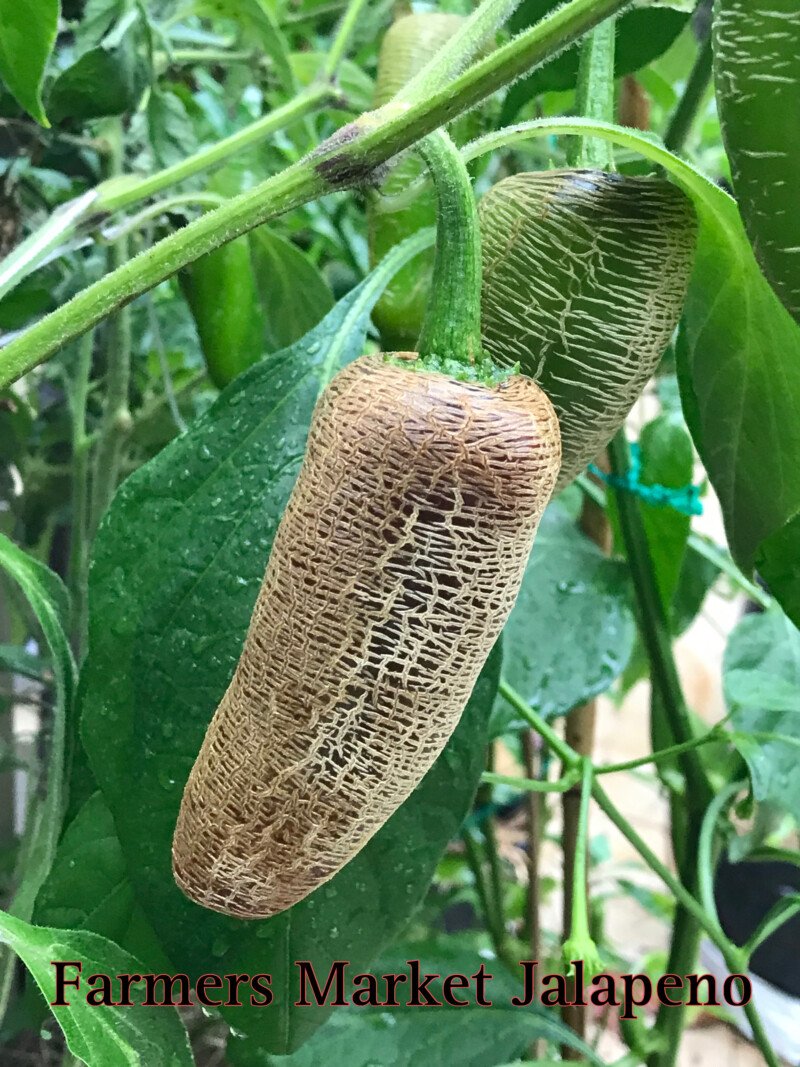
35 249
734 957
78 392
452 325
119 193
533 785
161 207
341 41
125 190
684 115
706 860
492 918
594 100
654 629
166 376
780 912
579 727
345 159
595 97
667 695
116 414
561 748
579 913
202 57
533 828
533 831
714 735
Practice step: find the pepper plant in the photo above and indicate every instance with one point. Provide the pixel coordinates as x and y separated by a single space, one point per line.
190 200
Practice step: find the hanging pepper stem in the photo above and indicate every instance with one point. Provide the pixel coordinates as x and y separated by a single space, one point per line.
451 330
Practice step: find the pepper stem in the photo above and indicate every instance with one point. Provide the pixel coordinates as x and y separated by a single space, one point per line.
451 329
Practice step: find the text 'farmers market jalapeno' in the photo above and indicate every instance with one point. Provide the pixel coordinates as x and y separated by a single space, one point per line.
395 566
584 278
407 47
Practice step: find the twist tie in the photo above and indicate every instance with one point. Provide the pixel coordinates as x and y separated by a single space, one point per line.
686 500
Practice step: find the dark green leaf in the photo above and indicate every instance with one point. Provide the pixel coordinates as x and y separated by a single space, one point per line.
294 295
757 76
16 425
777 561
88 887
743 366
177 567
103 81
28 299
27 35
97 18
697 576
111 1037
667 460
642 36
762 689
172 135
406 1037
571 631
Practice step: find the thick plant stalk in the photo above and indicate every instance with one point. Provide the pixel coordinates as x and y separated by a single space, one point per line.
584 278
452 323
579 733
395 566
409 44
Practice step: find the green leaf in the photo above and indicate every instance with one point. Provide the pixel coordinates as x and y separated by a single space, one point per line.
667 460
683 578
777 563
405 1037
48 598
757 78
697 576
177 567
641 36
97 18
100 1036
571 631
104 81
761 673
172 135
27 35
739 370
294 295
88 887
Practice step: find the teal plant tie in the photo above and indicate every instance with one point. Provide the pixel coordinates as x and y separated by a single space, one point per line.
686 500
